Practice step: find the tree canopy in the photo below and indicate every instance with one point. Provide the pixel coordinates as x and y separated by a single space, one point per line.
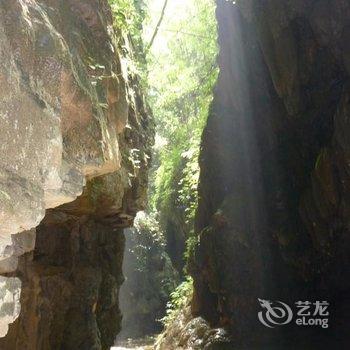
182 71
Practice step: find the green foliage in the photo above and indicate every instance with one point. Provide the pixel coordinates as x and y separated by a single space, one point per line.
128 15
182 73
191 243
147 237
150 277
179 72
182 67
147 246
179 299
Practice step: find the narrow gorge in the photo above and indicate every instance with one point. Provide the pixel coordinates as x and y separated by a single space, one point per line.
174 174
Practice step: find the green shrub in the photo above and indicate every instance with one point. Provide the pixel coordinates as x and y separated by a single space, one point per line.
182 72
179 299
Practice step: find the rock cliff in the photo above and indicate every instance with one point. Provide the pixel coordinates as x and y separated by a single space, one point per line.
75 148
273 214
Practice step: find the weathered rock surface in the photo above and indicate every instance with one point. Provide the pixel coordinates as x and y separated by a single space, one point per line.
188 333
73 124
274 205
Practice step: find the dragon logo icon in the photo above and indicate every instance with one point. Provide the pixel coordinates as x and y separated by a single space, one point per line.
275 313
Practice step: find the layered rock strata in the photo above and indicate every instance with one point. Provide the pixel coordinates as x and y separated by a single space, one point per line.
75 147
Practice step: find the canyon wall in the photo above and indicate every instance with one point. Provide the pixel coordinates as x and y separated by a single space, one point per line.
75 137
273 214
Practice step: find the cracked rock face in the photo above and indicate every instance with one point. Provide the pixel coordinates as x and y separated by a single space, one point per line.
75 134
274 221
